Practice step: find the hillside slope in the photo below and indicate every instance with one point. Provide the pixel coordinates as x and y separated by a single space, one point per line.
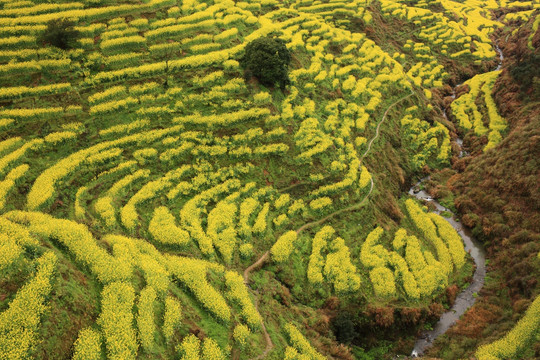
142 172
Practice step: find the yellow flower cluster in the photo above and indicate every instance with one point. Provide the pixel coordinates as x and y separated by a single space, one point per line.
365 178
247 208
164 230
59 137
428 277
90 14
78 240
4 123
40 9
409 282
8 93
525 332
10 252
145 318
192 274
8 159
190 348
9 143
373 254
33 113
35 66
320 203
316 261
300 344
19 323
383 281
107 95
10 181
141 254
496 122
88 345
104 205
452 239
238 293
113 45
211 350
116 320
113 106
424 223
190 215
224 120
172 317
283 247
259 226
221 228
240 334
339 269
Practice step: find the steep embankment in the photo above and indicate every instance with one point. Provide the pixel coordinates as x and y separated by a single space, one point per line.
498 195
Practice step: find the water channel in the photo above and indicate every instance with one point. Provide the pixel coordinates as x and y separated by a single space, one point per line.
467 297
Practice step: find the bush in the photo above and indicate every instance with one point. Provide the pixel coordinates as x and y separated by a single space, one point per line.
60 33
344 328
267 59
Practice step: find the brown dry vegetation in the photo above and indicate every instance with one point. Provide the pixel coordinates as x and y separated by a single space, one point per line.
498 196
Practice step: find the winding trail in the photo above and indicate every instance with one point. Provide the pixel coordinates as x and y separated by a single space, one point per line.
260 262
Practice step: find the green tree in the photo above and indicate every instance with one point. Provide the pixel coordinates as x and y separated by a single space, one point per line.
60 33
267 59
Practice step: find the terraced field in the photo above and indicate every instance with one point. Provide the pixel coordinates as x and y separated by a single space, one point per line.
141 174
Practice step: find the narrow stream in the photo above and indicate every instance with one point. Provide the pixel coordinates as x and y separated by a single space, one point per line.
467 297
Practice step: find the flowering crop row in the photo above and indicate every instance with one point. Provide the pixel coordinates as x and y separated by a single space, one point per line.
302 346
283 247
338 268
44 187
145 318
224 120
109 94
88 345
34 66
9 182
19 323
116 320
140 254
7 93
316 261
191 213
172 317
516 340
238 293
90 14
113 45
78 240
104 205
221 228
192 274
129 214
164 230
424 223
